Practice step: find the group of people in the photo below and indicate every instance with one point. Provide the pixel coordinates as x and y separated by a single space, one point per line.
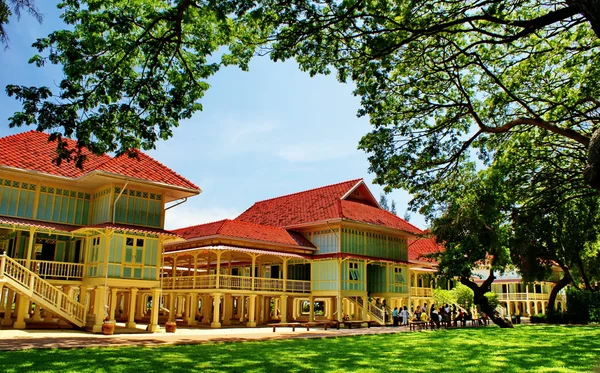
400 316
436 315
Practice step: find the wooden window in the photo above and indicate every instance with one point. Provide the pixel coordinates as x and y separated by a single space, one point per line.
354 272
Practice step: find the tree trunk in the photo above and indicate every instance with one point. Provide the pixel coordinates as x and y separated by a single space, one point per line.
566 280
481 300
590 10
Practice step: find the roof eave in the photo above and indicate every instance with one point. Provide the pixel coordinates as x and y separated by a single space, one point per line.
191 191
214 236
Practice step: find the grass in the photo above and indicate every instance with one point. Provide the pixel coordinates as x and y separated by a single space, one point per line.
527 348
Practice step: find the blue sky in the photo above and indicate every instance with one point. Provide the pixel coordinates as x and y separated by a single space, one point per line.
264 133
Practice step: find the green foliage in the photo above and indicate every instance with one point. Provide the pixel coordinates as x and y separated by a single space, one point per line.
441 296
464 296
132 70
583 306
492 299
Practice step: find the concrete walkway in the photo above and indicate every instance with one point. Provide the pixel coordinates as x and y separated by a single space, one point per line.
13 339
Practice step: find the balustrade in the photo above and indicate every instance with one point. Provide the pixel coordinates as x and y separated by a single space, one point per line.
50 269
228 282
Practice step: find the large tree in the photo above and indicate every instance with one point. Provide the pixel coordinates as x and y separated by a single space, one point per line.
474 229
435 77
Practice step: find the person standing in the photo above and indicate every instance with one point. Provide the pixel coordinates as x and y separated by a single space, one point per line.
395 316
404 315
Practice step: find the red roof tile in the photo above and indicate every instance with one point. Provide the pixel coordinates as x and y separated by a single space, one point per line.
304 207
244 230
145 168
32 151
373 215
422 246
320 204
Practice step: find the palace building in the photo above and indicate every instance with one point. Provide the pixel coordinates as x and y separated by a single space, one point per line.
82 246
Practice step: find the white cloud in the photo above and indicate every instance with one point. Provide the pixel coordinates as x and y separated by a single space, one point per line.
184 216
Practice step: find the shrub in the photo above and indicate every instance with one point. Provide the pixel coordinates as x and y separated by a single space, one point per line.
537 319
583 306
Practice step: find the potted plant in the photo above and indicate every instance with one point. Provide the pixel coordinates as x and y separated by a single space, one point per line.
108 327
170 326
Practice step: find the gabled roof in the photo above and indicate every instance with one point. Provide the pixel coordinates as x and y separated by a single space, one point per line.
350 200
419 247
32 151
244 230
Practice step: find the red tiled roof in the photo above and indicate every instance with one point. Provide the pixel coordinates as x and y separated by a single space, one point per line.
320 204
146 168
32 151
422 246
131 228
245 230
304 207
5 220
373 215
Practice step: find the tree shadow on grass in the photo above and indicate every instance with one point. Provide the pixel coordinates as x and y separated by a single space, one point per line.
527 348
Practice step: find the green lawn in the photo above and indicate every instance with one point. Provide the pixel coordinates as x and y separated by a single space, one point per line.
526 348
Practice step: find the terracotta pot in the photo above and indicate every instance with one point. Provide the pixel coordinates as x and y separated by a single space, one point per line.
108 327
170 326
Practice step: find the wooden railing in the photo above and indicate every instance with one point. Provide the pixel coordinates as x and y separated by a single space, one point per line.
58 270
375 312
421 292
522 296
228 282
40 291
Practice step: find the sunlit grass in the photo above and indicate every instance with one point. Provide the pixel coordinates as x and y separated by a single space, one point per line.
523 349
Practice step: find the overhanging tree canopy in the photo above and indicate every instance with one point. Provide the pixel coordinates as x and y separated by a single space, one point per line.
436 77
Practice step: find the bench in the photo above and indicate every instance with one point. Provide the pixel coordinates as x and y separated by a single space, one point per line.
414 325
324 324
355 323
293 325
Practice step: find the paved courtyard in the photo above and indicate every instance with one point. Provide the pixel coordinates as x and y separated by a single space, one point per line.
13 339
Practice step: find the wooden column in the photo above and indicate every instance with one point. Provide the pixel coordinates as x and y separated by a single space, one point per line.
132 304
217 310
283 308
153 326
251 311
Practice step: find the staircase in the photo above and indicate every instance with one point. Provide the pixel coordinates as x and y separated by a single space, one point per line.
374 312
39 291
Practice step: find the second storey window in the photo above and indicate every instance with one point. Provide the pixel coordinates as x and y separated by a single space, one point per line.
354 272
398 278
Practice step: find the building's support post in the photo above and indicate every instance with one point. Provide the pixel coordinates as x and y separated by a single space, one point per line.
99 310
132 308
283 308
339 308
193 307
242 308
207 306
252 311
217 310
172 311
82 294
365 309
113 303
218 269
21 311
30 247
153 326
227 309
311 309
